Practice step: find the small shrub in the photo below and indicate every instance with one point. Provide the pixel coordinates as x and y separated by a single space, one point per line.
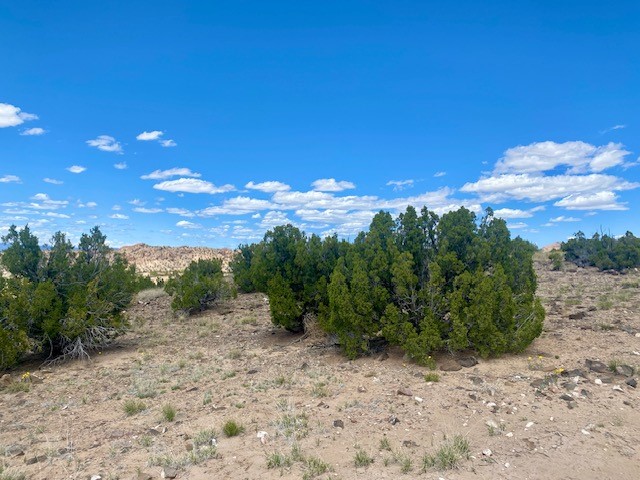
362 459
385 444
132 407
449 455
278 460
315 467
199 287
168 412
432 377
206 437
232 429
556 259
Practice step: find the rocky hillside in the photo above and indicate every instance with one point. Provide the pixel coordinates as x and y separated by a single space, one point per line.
160 262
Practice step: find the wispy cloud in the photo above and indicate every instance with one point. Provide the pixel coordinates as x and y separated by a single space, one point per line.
106 143
33 132
120 166
605 200
147 210
268 187
192 185
52 181
119 216
11 116
76 169
331 185
168 143
400 184
439 174
172 172
137 202
10 179
186 224
42 201
562 218
610 129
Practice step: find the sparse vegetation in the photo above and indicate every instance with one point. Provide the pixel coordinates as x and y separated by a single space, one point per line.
232 429
132 407
362 459
603 251
431 377
556 257
168 412
449 455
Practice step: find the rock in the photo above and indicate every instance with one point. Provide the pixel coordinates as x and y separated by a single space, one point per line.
418 399
168 472
538 383
188 446
34 379
487 452
569 385
617 388
143 476
491 424
624 370
510 434
585 432
529 425
404 391
382 357
253 371
572 404
632 382
493 407
597 381
473 396
338 423
361 389
476 380
15 450
6 379
607 379
596 366
409 444
566 397
393 420
450 365
262 435
468 361
585 393
95 477
577 316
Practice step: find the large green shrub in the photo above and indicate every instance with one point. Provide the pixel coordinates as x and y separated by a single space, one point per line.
200 286
421 282
61 301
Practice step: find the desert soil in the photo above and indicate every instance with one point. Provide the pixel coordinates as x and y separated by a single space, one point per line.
542 414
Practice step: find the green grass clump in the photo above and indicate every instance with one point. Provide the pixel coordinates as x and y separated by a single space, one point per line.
169 412
432 377
315 467
449 455
232 429
131 407
205 437
362 459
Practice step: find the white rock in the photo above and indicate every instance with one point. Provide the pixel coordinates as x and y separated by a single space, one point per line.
261 434
418 399
507 465
510 434
491 424
617 388
585 432
96 477
529 425
487 452
597 381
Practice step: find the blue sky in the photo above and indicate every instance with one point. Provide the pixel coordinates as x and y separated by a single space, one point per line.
209 122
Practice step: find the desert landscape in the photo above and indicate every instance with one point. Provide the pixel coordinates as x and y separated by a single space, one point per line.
224 394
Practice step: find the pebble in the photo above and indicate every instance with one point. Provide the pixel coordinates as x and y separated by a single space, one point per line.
510 434
632 382
585 432
340 423
418 399
487 452
405 391
529 425
169 473
617 388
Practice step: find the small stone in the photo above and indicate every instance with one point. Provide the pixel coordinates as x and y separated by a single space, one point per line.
30 460
487 452
393 420
491 424
168 472
596 366
569 385
476 380
404 391
361 389
624 370
6 379
468 362
188 446
338 423
617 388
96 477
572 404
253 371
382 357
632 382
143 476
473 397
597 381
507 465
409 444
418 399
585 432
510 434
262 435
566 397
529 425
450 365
493 407
15 451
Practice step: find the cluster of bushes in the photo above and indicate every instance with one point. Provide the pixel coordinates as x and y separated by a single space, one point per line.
200 286
61 300
421 282
603 251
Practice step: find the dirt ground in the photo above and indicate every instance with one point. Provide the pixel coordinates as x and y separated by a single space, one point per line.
304 411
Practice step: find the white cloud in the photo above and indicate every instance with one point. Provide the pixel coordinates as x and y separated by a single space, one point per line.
605 200
10 116
33 132
192 185
172 172
578 157
168 143
106 143
517 225
56 215
268 187
119 216
331 185
120 166
185 224
87 205
147 210
610 129
137 202
509 213
76 169
562 218
116 208
42 201
274 218
183 212
147 136
237 206
400 184
439 174
10 179
52 181
538 188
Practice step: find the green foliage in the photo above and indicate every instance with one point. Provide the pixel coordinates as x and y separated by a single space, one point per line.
421 282
603 251
232 429
199 287
62 301
556 258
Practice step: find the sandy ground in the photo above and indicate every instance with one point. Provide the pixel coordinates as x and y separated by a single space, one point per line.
540 415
